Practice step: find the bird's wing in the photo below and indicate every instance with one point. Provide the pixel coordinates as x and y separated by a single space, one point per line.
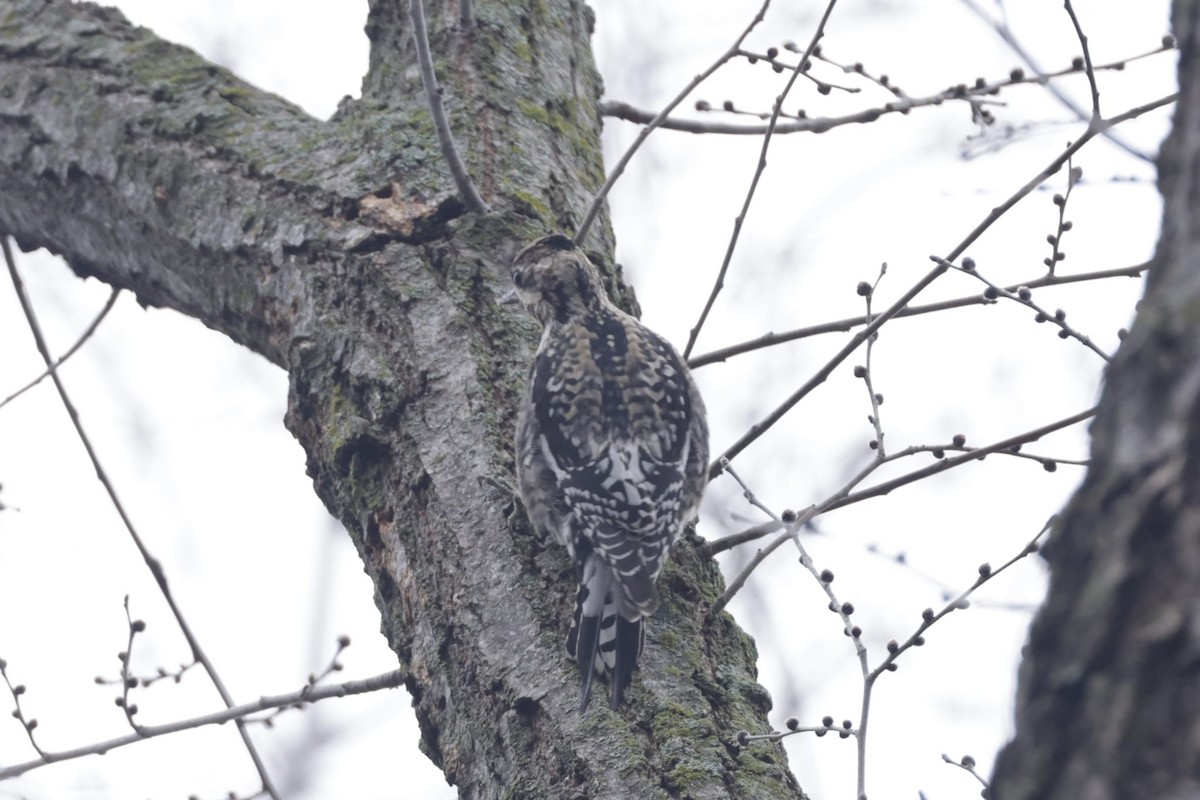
612 407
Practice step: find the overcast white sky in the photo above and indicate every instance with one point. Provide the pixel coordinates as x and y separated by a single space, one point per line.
269 581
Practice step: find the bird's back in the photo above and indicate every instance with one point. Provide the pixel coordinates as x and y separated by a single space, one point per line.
611 452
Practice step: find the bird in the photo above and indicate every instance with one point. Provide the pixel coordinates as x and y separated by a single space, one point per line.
611 453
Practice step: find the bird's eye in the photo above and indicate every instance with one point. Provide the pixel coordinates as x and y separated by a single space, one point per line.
517 278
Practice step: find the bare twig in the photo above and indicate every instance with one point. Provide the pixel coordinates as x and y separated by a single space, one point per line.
128 681
847 496
1005 33
160 674
1094 128
314 679
83 337
751 534
759 168
1008 448
621 110
845 731
657 120
1024 296
433 93
1087 59
844 610
771 59
888 664
1074 174
822 374
867 291
709 549
900 560
154 565
843 325
17 690
966 764
789 532
751 498
309 694
974 93
928 618
949 463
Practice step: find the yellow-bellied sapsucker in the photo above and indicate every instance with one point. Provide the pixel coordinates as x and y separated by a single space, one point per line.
611 452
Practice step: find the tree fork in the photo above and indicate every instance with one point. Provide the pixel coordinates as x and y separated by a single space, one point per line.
338 250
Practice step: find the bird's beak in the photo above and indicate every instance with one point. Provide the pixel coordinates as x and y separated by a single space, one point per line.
509 298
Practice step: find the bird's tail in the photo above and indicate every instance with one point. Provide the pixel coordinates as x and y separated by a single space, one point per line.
602 640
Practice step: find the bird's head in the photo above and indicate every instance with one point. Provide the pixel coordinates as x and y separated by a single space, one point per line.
554 281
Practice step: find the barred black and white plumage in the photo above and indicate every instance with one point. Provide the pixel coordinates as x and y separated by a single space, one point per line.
611 452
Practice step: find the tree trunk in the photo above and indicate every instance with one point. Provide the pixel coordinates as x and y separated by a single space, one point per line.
1109 700
339 251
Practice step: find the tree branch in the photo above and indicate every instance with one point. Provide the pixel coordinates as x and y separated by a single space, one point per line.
902 105
152 563
309 694
759 168
616 171
850 323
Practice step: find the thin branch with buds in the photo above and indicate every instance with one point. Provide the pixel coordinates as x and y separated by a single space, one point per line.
240 714
314 680
844 325
973 94
759 168
771 58
867 291
1024 296
128 681
845 731
1006 35
942 465
657 120
1074 175
846 495
966 764
152 563
928 619
1094 129
845 610
758 429
144 681
18 690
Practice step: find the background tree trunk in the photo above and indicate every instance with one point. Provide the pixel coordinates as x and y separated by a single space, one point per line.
1109 699
338 251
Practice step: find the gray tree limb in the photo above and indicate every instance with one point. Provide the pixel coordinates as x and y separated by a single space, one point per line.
337 250
1109 702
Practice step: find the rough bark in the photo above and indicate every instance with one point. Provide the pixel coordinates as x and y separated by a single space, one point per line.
338 250
1109 700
